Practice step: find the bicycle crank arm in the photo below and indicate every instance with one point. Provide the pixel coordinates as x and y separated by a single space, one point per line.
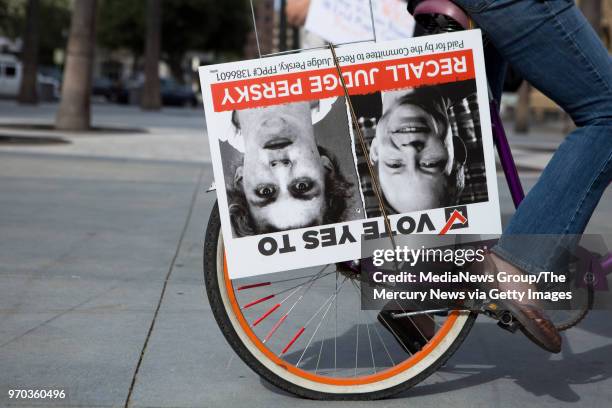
504 318
419 312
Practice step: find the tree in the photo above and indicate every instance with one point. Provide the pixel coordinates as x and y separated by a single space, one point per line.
121 25
74 110
188 25
56 18
29 56
151 98
12 15
204 25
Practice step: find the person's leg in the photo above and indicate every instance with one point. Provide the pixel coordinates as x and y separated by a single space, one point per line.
552 45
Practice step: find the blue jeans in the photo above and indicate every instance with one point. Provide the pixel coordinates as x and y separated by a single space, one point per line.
550 43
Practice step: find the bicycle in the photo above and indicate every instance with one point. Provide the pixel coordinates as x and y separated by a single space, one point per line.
266 318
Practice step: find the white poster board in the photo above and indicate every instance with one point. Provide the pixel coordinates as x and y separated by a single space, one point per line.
292 187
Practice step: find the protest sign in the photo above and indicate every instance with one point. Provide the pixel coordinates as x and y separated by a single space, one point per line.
293 184
343 21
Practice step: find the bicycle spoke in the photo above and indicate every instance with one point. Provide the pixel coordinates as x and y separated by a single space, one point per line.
413 323
253 285
293 340
274 328
284 317
357 350
266 314
336 328
314 334
312 277
388 326
257 285
397 337
265 298
371 349
418 329
321 349
384 345
367 328
258 301
328 301
273 308
436 324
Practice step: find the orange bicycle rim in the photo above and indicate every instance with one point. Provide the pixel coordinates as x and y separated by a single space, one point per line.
369 379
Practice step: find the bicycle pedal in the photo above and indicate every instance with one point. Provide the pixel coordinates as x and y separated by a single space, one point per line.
512 328
507 322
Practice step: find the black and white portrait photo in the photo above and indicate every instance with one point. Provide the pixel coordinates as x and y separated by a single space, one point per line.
283 172
425 148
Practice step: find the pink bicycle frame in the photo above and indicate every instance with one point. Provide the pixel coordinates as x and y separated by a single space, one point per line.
444 7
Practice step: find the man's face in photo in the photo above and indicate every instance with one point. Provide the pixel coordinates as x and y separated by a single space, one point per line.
411 150
283 174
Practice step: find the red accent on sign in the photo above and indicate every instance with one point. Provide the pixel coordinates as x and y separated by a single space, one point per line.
455 216
360 79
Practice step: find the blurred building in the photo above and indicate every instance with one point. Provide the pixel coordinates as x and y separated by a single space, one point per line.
274 34
264 22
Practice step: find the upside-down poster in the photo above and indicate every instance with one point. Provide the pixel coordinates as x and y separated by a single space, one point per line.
294 185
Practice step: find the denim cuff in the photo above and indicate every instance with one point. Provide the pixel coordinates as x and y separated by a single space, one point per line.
522 262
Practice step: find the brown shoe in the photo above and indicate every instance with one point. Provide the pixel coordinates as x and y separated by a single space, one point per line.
535 325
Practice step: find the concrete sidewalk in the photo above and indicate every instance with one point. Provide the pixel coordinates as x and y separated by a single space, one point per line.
173 134
85 247
88 240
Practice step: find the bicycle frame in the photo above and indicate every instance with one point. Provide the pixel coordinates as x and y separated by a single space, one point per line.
505 155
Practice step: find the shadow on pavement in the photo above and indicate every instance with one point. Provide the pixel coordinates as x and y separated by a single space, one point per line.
50 127
489 355
534 370
31 140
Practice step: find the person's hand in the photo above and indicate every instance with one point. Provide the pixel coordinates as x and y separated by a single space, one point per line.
296 11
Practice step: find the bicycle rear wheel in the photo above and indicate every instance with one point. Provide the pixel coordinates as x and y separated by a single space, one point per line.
304 330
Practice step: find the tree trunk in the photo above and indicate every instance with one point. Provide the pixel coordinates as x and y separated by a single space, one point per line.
151 98
135 61
521 115
175 63
282 30
29 58
74 111
592 11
